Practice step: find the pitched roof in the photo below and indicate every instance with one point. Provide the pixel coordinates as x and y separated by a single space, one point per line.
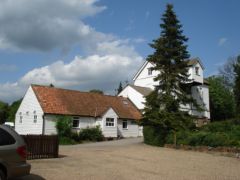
70 102
194 61
142 90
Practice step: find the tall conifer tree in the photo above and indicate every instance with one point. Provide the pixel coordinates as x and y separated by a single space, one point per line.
169 57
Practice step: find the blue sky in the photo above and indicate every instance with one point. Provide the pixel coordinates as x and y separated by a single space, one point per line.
88 44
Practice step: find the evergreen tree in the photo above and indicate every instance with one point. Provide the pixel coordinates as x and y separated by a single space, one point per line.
169 58
120 88
236 67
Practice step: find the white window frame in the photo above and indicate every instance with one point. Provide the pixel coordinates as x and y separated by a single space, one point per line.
110 122
35 118
125 121
76 119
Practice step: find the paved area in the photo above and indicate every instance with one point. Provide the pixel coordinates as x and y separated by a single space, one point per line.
130 159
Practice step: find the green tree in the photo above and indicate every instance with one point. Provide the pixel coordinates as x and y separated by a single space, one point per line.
96 91
3 112
13 109
236 88
169 57
120 88
222 102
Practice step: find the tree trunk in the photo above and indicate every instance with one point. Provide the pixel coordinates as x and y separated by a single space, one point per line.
175 138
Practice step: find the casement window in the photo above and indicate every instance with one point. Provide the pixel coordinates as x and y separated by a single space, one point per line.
125 124
110 122
35 118
149 71
75 123
197 70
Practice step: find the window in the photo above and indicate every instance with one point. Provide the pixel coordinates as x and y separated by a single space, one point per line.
20 119
149 71
197 70
75 123
35 118
6 138
124 124
109 122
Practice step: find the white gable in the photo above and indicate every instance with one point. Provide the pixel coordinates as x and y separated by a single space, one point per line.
137 98
24 118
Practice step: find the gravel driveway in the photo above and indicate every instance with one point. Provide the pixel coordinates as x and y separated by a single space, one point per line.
130 159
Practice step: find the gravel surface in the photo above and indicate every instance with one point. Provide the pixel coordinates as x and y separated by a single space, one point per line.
130 159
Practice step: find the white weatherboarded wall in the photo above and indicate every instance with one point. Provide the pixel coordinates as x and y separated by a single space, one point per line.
84 122
137 98
28 108
50 124
109 131
132 129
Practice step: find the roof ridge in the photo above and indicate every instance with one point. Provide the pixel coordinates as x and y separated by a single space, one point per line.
46 86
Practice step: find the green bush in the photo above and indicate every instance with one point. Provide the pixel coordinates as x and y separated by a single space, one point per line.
91 134
64 126
66 141
75 137
154 136
215 134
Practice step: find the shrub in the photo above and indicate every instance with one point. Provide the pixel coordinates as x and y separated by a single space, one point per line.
66 141
64 126
154 136
75 137
91 134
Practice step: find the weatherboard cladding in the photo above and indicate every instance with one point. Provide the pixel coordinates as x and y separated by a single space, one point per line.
70 102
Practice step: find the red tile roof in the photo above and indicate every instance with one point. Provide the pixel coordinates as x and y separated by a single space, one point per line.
70 102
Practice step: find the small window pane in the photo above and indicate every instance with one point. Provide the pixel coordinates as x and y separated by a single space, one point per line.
75 123
125 124
35 118
6 138
110 122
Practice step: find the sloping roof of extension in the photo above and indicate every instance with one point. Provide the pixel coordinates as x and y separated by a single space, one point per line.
194 61
70 102
142 90
191 62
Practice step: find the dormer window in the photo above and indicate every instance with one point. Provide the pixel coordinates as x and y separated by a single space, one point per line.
149 71
197 71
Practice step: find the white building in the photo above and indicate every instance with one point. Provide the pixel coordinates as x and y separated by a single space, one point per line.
143 84
116 116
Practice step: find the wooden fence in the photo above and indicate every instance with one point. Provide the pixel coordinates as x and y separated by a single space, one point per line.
41 146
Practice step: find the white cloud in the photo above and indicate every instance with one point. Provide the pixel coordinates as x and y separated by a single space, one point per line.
109 59
102 72
222 41
43 25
